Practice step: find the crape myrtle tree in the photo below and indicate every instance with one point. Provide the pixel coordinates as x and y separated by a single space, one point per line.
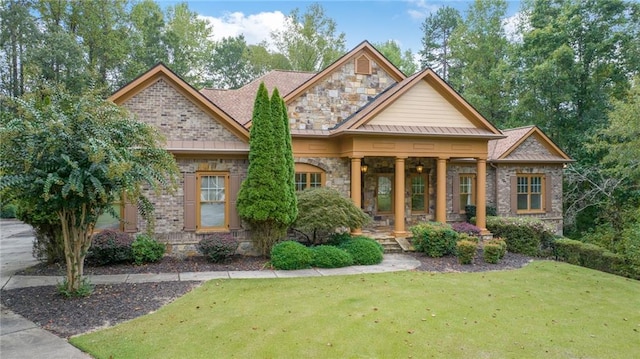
266 201
71 156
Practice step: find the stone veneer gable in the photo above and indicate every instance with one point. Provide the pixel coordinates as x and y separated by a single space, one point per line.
337 97
530 146
179 119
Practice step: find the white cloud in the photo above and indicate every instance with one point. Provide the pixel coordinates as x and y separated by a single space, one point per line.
421 9
255 27
511 26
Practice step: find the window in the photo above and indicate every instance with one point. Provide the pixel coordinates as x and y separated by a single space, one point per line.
308 176
419 193
529 192
108 221
467 189
384 194
211 209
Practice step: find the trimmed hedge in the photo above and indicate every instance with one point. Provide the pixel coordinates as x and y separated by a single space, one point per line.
434 238
290 255
466 251
524 235
325 256
494 250
364 250
591 256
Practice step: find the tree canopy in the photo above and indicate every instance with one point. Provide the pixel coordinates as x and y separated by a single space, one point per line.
71 156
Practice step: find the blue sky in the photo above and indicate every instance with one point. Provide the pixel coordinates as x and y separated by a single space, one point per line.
375 21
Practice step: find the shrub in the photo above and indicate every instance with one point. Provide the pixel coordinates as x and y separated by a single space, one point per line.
330 257
218 247
434 238
290 255
363 250
337 239
467 228
109 246
492 252
321 211
466 237
466 251
146 249
591 256
500 243
530 236
7 210
470 212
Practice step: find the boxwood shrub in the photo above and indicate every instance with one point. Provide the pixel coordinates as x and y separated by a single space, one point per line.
434 238
494 250
109 247
290 255
146 249
325 256
466 251
525 235
363 250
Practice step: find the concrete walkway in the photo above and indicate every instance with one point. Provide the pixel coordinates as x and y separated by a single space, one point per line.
20 338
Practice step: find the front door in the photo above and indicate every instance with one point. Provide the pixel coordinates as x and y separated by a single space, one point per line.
384 194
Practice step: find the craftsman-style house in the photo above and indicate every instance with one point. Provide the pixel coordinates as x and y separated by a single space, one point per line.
404 149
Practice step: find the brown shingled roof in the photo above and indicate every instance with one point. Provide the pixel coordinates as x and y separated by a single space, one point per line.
239 103
500 149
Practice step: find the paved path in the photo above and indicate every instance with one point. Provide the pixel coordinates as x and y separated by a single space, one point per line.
20 338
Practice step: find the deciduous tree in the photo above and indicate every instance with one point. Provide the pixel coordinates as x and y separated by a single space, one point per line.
71 156
402 60
309 40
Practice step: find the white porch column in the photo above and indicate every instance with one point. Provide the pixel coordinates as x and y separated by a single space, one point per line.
399 230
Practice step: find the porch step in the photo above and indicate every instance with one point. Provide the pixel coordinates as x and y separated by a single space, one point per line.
390 245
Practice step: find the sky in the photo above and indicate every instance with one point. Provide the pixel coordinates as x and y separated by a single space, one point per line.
376 21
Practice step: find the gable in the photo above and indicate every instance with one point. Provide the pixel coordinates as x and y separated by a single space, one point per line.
339 94
526 144
422 105
163 106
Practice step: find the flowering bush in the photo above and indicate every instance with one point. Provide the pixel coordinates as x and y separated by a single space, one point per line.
467 228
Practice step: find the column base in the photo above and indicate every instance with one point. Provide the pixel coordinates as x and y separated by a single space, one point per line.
356 231
401 234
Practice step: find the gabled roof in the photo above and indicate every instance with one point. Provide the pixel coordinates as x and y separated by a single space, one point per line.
160 71
239 102
500 150
360 119
363 48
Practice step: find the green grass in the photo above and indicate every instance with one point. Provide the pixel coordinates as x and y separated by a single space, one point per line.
547 309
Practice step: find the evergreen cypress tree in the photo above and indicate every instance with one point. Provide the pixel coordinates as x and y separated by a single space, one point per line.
290 164
265 197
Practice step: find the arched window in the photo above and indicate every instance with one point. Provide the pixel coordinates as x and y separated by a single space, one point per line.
309 176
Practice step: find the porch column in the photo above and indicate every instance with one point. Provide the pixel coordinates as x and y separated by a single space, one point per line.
481 200
356 187
398 230
441 191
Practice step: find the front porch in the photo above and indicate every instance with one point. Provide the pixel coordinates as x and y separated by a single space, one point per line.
398 192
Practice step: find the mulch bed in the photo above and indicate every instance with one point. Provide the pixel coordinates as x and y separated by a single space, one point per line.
112 304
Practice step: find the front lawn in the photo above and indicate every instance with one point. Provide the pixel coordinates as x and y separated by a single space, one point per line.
547 309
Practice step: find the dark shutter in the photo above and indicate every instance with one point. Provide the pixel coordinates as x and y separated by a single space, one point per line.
190 194
234 188
130 217
548 193
456 193
514 195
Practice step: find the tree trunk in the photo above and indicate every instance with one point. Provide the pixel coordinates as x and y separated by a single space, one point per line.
76 235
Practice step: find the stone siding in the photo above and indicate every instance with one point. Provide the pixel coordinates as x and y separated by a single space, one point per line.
530 146
554 175
337 172
179 119
455 170
337 97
